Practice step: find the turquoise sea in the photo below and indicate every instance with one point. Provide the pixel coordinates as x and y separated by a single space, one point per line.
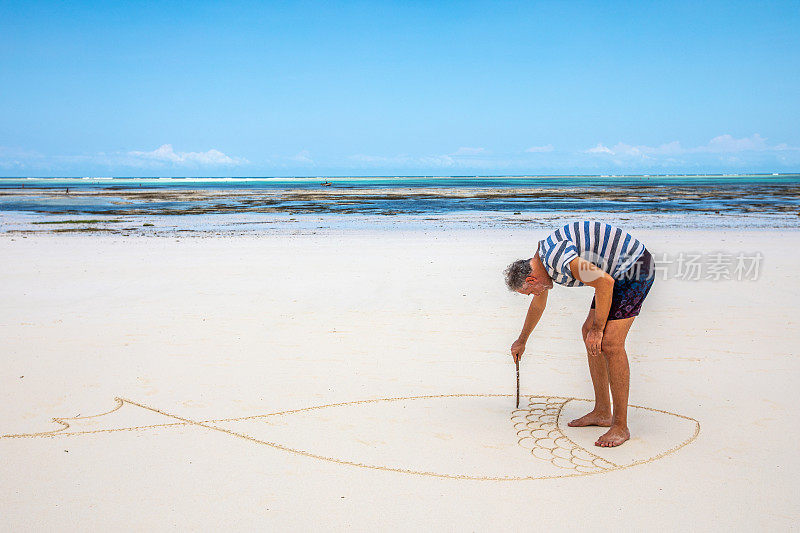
116 196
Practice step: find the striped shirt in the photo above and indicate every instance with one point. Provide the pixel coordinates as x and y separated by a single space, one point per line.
607 247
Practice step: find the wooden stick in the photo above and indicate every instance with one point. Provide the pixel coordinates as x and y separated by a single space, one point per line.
517 361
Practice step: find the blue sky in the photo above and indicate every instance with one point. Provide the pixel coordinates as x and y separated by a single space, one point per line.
398 88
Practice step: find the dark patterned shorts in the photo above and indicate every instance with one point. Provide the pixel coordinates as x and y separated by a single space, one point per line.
631 290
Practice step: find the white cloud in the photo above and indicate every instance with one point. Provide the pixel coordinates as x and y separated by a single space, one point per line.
18 158
303 156
622 149
722 144
464 157
466 150
670 148
540 149
167 154
728 144
720 152
600 149
364 158
163 156
405 160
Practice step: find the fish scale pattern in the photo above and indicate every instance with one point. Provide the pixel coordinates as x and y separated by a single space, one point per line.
537 431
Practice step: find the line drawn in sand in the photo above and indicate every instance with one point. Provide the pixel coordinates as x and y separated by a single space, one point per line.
468 438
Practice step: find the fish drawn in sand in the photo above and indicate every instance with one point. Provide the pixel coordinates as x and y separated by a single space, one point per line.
459 436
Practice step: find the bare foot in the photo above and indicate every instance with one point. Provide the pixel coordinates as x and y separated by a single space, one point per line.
613 437
592 419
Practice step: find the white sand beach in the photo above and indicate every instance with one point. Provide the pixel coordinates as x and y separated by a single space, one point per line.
216 346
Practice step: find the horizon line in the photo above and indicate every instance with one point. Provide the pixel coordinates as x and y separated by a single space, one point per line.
409 176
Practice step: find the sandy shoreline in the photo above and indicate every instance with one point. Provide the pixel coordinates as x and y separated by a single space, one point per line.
20 224
242 326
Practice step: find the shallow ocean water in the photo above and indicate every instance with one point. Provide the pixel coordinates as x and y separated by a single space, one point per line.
762 194
303 205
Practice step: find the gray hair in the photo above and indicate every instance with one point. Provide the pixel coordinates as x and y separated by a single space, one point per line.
516 273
